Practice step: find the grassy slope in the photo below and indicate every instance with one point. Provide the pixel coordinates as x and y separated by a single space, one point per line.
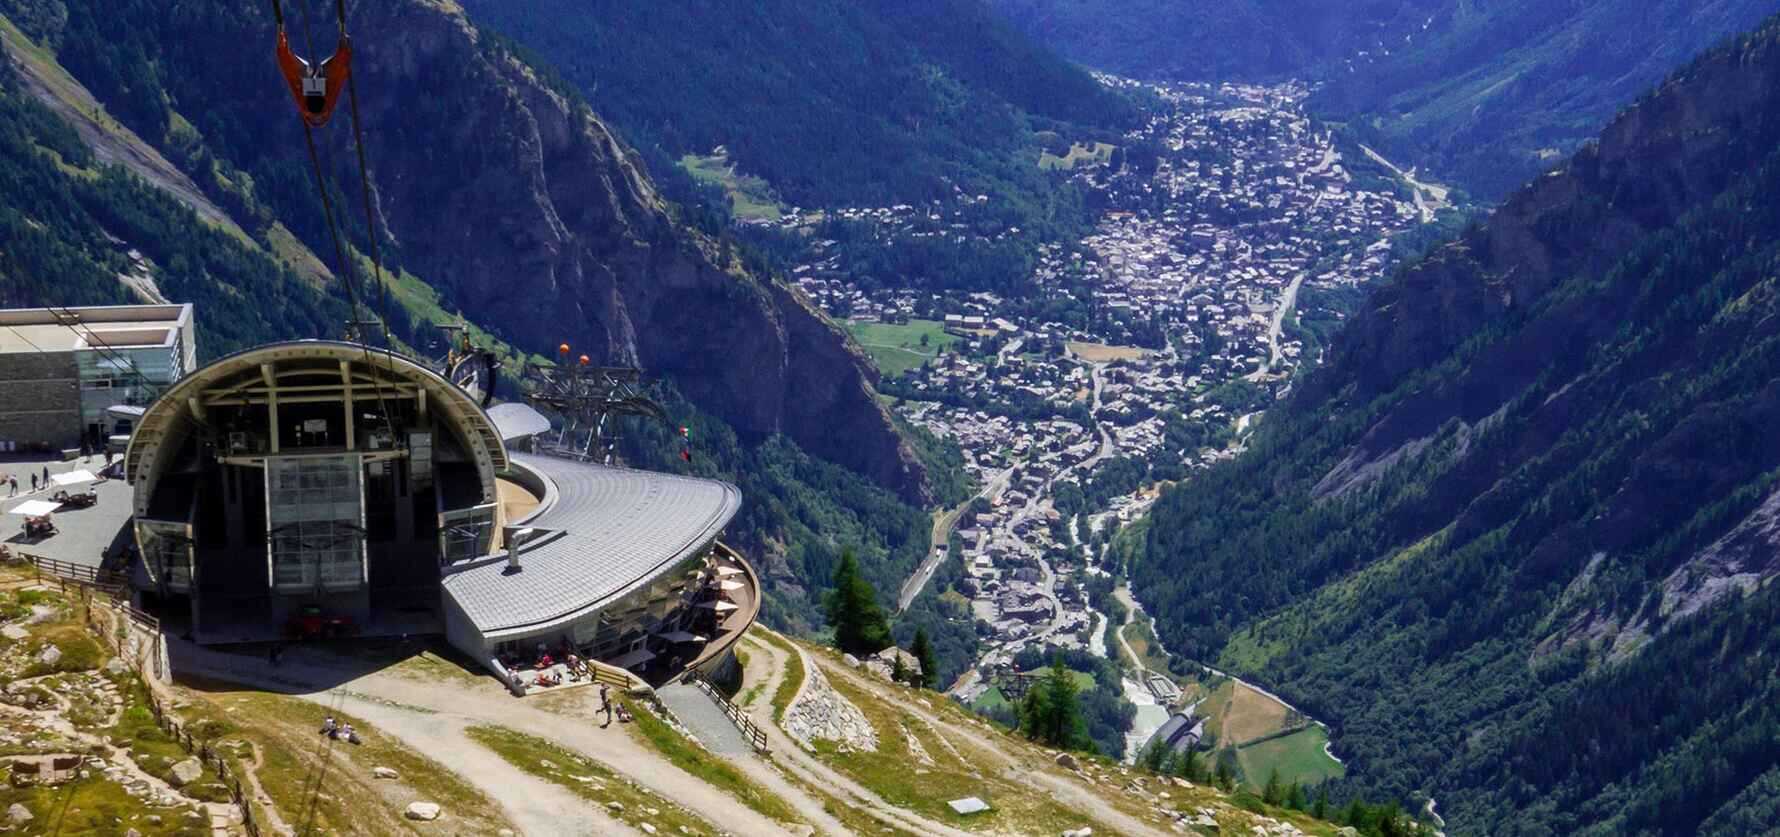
896 348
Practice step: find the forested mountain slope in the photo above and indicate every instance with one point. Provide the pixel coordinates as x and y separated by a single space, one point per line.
1515 540
501 198
1208 40
832 102
1482 95
1490 94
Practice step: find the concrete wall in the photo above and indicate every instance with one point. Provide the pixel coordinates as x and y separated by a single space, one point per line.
40 399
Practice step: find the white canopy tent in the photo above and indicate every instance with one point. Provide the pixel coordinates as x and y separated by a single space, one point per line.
34 508
63 480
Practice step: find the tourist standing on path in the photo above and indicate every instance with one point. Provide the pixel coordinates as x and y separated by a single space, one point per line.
606 704
33 483
14 481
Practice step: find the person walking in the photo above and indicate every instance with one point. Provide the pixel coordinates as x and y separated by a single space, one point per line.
14 481
46 476
33 483
606 704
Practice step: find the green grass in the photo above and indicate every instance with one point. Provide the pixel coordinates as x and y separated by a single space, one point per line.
793 678
991 700
707 767
1100 153
750 198
1298 757
561 766
1015 808
151 747
96 806
896 348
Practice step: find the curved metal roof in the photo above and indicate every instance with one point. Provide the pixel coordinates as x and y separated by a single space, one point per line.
166 420
612 530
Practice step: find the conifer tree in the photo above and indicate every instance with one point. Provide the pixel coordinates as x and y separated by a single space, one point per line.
860 626
922 648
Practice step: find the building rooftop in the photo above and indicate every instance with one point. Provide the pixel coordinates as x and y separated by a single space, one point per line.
604 531
73 329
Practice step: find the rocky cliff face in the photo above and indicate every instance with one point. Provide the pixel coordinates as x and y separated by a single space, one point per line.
514 200
540 223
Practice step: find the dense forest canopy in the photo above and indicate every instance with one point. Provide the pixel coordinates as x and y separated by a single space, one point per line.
832 103
1460 543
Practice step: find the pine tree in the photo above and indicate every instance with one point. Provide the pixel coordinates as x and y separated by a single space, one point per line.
1052 713
1226 778
1273 794
922 648
860 626
1295 797
1320 808
899 672
1189 767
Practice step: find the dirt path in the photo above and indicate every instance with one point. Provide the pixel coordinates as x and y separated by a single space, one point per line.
810 770
423 714
251 775
1016 768
533 805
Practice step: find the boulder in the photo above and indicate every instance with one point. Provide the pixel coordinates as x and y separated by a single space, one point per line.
423 811
385 773
116 666
1084 831
50 656
850 660
18 814
647 828
1068 762
185 772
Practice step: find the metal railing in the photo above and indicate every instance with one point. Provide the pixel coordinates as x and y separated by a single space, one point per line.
68 572
750 730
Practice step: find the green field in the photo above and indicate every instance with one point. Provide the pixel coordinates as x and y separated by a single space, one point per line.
991 700
1100 153
897 348
1298 757
750 198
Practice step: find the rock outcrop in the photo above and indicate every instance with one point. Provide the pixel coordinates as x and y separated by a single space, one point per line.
822 714
529 215
537 221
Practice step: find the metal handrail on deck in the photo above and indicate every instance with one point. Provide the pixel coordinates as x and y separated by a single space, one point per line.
751 731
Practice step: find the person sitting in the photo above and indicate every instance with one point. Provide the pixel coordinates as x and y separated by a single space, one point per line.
547 680
623 714
545 662
329 727
349 734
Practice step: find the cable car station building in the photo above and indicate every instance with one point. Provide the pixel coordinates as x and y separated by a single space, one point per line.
322 488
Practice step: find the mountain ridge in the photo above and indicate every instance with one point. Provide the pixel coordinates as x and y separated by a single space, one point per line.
1471 516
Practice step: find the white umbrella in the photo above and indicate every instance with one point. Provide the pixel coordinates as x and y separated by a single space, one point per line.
720 607
682 636
730 585
726 572
35 508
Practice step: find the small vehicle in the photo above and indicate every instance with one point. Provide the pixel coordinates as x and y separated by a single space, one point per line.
39 526
79 499
311 623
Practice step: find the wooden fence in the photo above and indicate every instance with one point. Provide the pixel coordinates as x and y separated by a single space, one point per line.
200 747
751 731
104 590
